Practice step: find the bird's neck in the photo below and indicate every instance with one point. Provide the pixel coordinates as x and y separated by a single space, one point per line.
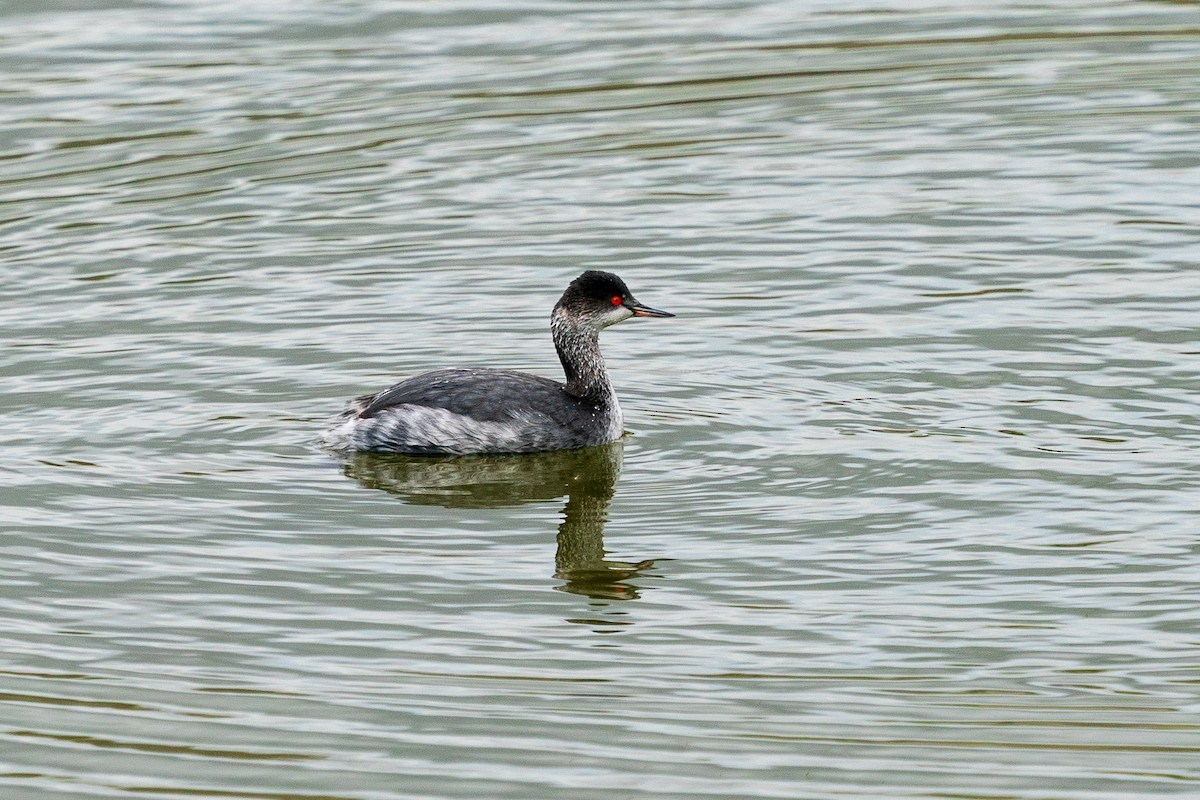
579 351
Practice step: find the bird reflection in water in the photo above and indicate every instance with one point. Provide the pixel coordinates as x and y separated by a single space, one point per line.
587 477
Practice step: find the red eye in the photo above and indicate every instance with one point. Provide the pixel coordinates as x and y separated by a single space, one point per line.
616 301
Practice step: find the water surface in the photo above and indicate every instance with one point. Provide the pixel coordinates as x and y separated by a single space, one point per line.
907 506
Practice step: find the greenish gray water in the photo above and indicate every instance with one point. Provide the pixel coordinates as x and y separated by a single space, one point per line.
907 507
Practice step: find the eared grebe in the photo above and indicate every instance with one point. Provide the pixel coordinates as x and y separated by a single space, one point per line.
457 411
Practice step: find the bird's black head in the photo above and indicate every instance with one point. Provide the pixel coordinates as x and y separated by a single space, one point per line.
598 299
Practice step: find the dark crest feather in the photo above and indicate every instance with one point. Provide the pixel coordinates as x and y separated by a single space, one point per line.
592 286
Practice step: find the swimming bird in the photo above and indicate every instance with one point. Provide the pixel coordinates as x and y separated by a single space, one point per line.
457 410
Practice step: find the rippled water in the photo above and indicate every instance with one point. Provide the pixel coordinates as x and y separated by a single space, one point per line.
908 502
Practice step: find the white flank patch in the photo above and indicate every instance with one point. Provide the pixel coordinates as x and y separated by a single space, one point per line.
416 428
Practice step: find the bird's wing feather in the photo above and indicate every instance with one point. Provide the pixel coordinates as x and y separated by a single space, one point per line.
485 394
